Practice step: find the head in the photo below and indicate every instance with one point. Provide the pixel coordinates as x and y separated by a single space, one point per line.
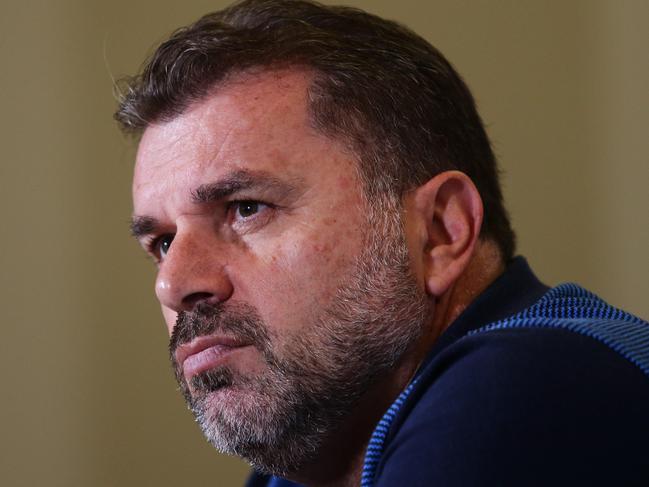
310 180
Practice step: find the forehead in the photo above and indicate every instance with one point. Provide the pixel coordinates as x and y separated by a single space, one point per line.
256 121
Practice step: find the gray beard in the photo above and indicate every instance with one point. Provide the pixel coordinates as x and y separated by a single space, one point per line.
278 419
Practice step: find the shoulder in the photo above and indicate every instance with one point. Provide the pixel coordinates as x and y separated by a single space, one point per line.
522 406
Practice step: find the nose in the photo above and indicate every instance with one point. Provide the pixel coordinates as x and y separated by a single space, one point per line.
193 271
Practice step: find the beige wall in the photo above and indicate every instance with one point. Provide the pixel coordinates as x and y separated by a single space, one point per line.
88 399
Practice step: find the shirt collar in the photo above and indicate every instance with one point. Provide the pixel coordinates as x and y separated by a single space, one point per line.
514 290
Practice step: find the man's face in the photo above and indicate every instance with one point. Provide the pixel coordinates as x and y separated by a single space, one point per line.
285 296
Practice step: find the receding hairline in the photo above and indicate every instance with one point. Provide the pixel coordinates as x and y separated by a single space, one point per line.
240 77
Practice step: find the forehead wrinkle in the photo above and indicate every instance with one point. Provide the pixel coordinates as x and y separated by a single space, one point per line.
178 136
212 149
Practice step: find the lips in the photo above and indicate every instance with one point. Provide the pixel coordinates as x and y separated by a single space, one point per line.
205 353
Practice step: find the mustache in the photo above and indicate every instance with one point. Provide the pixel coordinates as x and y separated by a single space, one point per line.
240 321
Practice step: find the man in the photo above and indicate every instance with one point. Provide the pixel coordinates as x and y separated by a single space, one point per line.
336 270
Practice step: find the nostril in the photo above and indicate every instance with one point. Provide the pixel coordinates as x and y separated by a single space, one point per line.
191 300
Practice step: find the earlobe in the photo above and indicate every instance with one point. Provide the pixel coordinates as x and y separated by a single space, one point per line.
451 208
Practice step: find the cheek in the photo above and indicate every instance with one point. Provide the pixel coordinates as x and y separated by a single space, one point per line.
296 276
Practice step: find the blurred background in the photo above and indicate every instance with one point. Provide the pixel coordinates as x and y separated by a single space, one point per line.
88 396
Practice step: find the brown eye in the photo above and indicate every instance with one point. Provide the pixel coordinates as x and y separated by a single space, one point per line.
163 244
246 209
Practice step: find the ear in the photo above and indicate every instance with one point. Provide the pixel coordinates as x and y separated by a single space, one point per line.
450 211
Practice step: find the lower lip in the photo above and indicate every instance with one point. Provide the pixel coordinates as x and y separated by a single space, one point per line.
207 359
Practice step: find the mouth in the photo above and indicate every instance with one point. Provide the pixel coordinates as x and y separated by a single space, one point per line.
205 353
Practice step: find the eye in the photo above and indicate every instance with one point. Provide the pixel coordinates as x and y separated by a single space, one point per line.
246 209
160 246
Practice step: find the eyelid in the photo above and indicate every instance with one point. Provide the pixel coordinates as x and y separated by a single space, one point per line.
148 242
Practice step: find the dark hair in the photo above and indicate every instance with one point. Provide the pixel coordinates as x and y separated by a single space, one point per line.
379 87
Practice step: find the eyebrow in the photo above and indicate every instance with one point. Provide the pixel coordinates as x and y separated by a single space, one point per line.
238 181
209 193
142 225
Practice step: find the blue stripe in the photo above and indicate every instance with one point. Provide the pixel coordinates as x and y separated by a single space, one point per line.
377 441
573 308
